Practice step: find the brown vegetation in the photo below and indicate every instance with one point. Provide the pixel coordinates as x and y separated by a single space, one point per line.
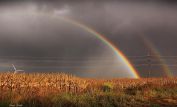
23 87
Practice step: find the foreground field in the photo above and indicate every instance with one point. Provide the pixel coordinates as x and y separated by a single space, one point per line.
59 89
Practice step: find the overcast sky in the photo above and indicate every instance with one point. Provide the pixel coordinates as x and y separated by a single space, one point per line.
24 31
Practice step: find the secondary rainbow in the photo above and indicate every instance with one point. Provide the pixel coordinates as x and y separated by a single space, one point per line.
105 41
151 47
154 51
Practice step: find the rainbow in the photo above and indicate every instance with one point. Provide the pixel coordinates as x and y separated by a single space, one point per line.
151 47
102 38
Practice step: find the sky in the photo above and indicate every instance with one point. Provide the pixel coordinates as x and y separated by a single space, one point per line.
34 40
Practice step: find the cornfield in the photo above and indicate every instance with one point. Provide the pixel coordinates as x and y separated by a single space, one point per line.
24 86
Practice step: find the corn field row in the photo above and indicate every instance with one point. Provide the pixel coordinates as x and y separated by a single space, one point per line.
61 82
36 85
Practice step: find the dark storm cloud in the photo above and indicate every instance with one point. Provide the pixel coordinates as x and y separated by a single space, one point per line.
120 21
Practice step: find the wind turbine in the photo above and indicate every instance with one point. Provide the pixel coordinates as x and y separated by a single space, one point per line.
15 70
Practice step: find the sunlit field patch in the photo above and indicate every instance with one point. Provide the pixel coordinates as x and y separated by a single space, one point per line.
59 89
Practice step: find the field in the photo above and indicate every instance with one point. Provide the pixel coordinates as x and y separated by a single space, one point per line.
64 90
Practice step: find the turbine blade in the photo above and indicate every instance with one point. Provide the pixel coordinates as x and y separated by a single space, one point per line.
14 67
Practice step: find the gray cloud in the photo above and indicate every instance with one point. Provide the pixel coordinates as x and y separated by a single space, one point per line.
28 33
